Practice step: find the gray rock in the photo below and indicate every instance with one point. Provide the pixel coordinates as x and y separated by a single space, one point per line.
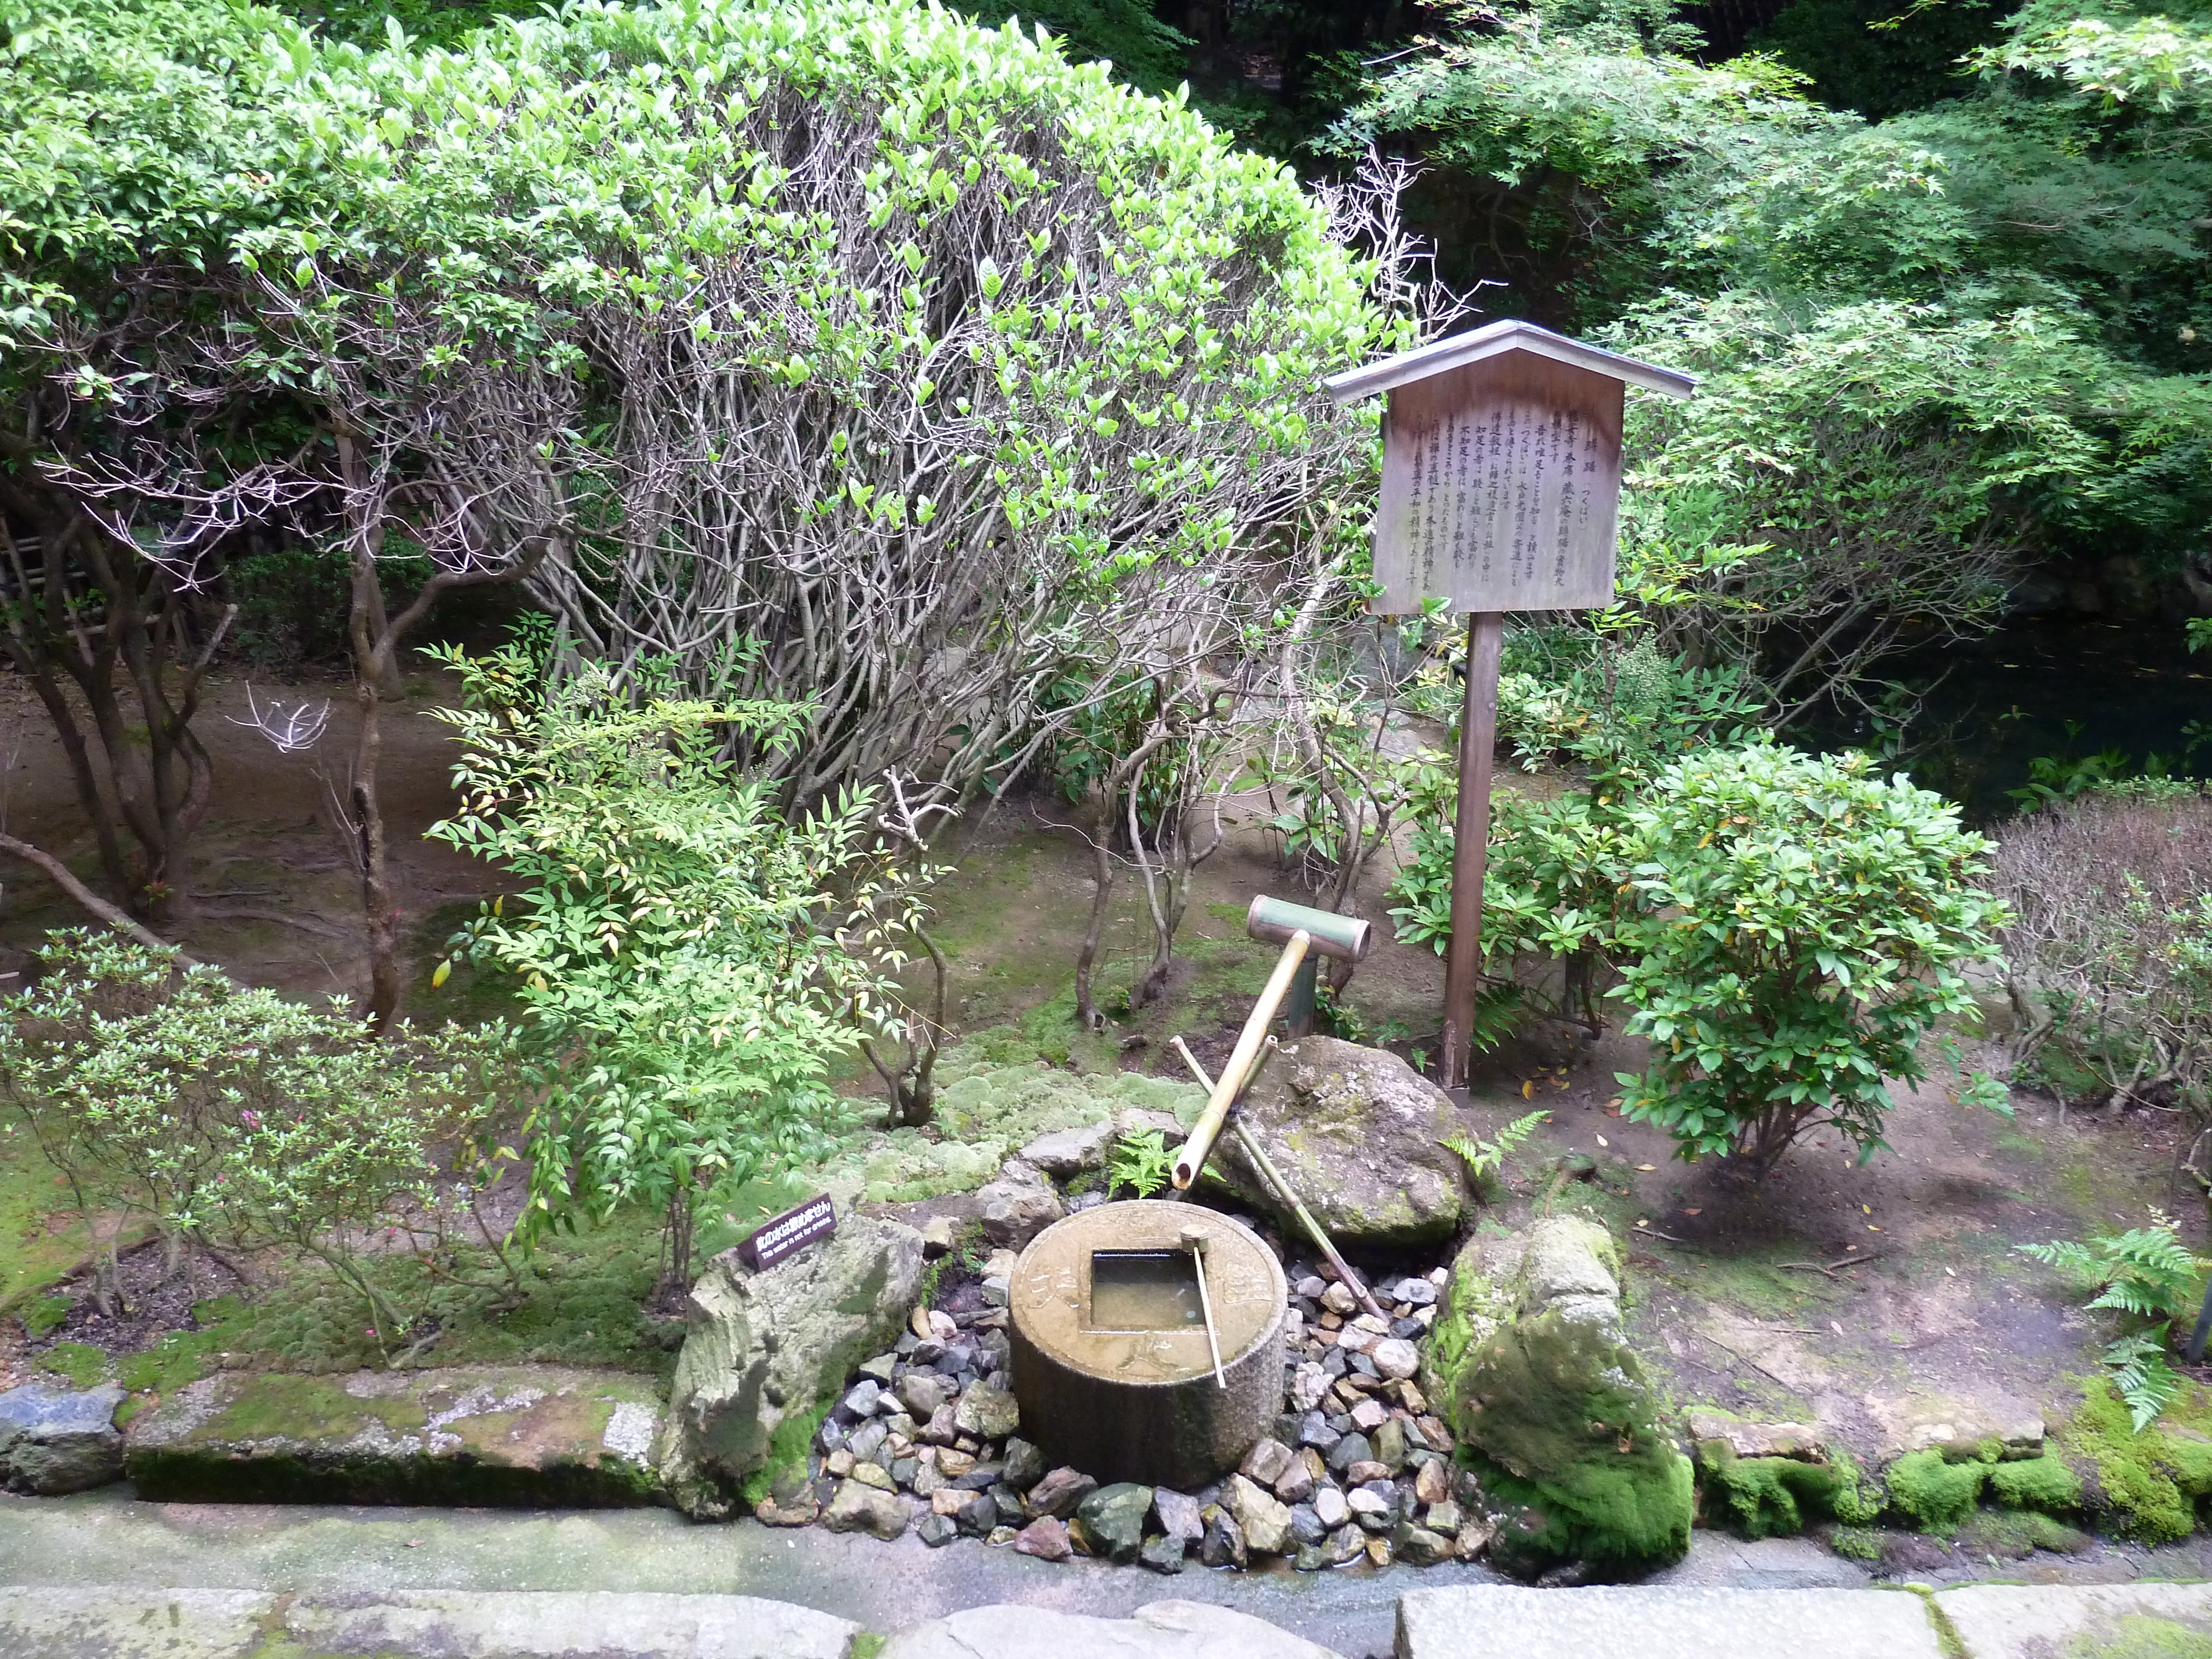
1164 1554
1264 1521
1394 1358
1112 1520
1180 1516
867 1440
1330 1504
1345 1544
1414 1292
1024 1464
921 1394
1296 1483
1352 1449
115 1622
857 1508
1307 1384
1223 1544
2009 1622
1059 1492
1357 1133
979 1514
55 1441
1017 1207
1266 1462
1305 1525
937 1530
1801 1442
1164 1629
988 1413
761 1345
1066 1152
1390 1445
1416 1547
861 1401
881 1368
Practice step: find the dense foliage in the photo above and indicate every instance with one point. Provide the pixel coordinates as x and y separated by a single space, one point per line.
688 958
222 1115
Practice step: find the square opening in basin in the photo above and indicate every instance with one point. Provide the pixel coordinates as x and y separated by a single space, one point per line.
1144 1291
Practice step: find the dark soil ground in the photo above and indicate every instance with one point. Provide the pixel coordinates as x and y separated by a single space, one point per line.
1749 1295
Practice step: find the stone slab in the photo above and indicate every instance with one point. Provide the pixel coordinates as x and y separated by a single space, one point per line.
116 1622
2086 1622
579 1625
1162 1630
489 1435
1499 1622
98 1622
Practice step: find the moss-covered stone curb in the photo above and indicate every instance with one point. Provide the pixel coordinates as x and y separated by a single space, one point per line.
1553 1408
494 1435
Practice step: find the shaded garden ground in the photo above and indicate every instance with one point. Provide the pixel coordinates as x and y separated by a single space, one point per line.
1745 1295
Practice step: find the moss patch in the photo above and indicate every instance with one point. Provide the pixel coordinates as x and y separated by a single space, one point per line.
1857 1543
2044 1484
787 1452
2138 1636
80 1364
1773 1497
2149 1483
1934 1495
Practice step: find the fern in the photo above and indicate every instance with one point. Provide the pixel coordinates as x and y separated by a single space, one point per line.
2149 1273
2146 1272
1483 1159
1141 1162
2140 1375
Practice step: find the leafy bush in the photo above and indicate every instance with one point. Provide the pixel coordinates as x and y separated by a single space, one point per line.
2110 943
1798 926
687 958
2148 1274
222 1113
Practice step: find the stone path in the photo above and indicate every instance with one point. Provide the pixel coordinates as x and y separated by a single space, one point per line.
98 1575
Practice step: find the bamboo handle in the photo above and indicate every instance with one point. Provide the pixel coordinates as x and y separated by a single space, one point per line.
1268 1173
1208 1126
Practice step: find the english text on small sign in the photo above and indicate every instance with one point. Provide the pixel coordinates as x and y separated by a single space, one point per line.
790 1232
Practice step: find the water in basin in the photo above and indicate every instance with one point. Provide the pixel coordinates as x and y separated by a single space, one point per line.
1143 1290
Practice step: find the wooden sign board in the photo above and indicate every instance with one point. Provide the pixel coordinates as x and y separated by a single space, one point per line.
1501 488
789 1233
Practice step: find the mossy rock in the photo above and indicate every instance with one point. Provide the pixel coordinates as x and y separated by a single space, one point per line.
987 1113
1934 1494
538 1437
1561 1426
2146 1484
2046 1484
1766 1496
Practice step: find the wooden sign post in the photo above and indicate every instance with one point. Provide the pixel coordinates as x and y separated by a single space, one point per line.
1501 491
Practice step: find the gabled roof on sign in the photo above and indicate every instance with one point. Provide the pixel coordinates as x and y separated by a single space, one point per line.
1457 350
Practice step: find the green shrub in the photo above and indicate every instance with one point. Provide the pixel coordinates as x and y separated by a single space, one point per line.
177 1096
1798 927
2149 1277
1934 1494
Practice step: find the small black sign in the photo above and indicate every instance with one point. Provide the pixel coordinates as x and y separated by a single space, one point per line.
792 1231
